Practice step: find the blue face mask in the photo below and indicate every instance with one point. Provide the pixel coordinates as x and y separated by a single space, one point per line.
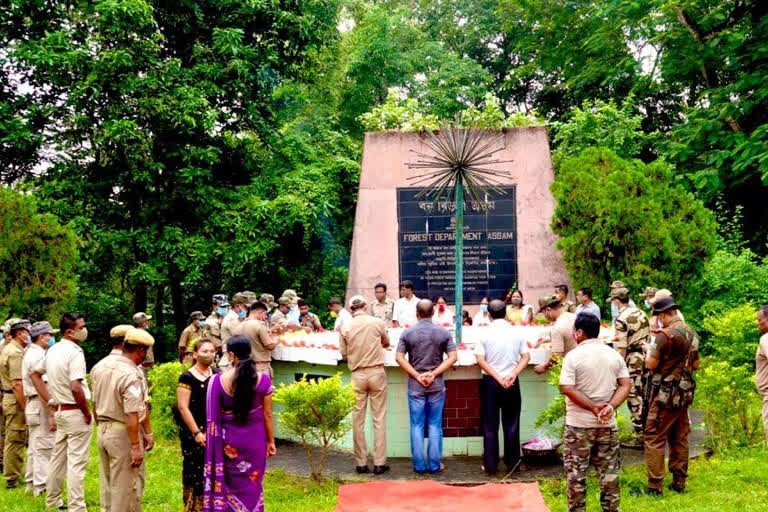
647 305
222 311
200 323
51 341
484 308
241 314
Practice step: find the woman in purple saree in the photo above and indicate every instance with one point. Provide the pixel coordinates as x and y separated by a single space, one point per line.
240 434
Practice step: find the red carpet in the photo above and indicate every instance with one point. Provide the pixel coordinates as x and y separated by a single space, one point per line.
429 496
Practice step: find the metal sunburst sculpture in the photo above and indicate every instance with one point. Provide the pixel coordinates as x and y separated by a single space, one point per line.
459 167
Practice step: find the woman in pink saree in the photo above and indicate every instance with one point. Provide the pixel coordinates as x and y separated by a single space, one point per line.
240 434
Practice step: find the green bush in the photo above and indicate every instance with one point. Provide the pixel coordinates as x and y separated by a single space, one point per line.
163 380
623 219
315 411
731 405
554 415
732 335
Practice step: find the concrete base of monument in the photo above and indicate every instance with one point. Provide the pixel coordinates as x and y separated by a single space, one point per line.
462 429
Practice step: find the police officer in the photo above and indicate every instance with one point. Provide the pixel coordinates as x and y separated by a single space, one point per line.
278 322
6 339
633 334
38 415
142 320
212 326
14 402
673 356
119 392
561 292
189 336
255 329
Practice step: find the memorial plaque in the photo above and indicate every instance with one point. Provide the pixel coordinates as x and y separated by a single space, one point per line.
426 234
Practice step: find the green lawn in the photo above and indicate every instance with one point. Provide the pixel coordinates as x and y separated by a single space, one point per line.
735 483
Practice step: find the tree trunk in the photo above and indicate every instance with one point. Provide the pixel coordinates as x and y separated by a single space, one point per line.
177 301
140 298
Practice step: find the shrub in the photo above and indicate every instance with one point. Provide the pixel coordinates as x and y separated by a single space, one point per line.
732 335
623 219
731 405
315 411
163 380
554 415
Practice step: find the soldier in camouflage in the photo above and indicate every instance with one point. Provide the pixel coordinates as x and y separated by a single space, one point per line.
595 382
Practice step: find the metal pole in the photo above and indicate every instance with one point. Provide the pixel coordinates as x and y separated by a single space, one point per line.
459 258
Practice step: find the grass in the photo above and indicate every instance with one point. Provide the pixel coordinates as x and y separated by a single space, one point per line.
736 482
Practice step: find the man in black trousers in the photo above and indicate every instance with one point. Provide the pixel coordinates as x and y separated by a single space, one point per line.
502 355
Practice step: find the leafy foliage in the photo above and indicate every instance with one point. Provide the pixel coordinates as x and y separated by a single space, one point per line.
316 412
623 219
727 395
38 257
163 381
732 335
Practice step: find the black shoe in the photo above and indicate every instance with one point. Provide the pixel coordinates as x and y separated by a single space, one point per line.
11 485
380 470
361 470
676 488
652 492
63 507
422 472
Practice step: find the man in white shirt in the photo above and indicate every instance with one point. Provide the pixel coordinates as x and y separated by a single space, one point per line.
502 355
342 316
404 314
595 381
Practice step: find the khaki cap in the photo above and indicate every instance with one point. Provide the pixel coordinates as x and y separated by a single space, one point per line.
617 284
618 293
661 294
549 301
357 301
136 336
291 294
141 317
650 291
119 331
239 298
284 301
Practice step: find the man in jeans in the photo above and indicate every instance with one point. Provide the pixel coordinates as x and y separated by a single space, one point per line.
595 382
64 364
425 344
502 355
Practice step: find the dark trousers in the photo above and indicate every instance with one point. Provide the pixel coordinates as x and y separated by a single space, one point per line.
498 401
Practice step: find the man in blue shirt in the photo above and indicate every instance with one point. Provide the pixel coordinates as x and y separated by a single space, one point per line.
426 343
586 304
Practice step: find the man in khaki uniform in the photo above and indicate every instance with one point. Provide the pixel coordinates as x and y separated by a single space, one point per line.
119 392
212 326
189 336
673 356
6 339
561 292
561 334
231 320
383 307
64 365
255 329
363 341
761 367
38 415
278 322
142 320
14 403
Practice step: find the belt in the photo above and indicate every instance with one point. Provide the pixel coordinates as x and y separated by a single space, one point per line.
67 407
8 391
263 362
368 367
107 421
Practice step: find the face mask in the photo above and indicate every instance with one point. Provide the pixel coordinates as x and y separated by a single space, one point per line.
484 308
200 323
334 314
517 302
206 360
80 335
241 314
647 305
441 307
26 339
222 311
51 341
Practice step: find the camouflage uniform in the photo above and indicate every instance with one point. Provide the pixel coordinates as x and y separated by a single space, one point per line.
600 447
633 333
569 306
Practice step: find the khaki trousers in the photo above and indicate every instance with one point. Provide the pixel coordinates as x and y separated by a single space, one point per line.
15 440
666 426
265 368
69 460
120 483
765 417
40 444
370 384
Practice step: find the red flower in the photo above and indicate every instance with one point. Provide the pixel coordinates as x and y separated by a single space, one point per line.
254 477
230 451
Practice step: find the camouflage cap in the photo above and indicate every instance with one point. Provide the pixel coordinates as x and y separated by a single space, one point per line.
548 301
221 300
617 284
650 291
119 331
618 293
20 324
8 323
40 328
284 301
141 317
139 337
660 294
291 294
268 299
249 296
239 298
196 315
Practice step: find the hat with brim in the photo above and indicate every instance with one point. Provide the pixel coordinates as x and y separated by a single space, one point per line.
357 301
119 331
19 325
617 284
284 301
141 317
664 305
40 328
136 336
268 299
549 301
618 293
650 291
